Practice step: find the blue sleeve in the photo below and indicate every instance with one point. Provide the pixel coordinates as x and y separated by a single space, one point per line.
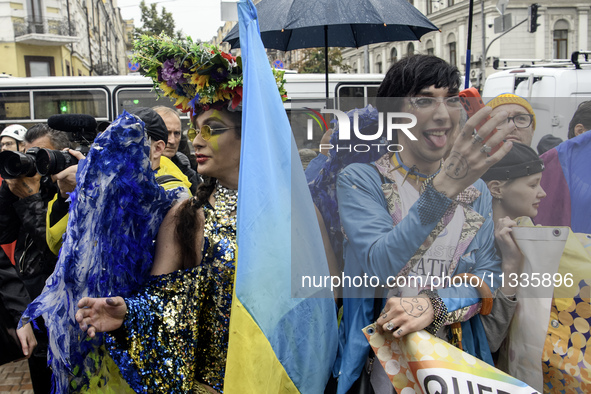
314 167
381 248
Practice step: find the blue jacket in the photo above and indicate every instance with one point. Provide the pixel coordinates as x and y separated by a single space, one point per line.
377 245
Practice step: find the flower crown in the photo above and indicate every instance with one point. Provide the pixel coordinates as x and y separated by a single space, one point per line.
198 76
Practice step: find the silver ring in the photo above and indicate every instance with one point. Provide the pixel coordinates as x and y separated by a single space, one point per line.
485 149
390 326
477 138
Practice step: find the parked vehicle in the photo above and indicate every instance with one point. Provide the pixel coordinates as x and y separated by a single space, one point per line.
554 89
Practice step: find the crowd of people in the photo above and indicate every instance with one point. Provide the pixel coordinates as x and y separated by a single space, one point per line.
445 204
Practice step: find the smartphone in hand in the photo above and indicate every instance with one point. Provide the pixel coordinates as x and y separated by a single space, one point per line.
472 103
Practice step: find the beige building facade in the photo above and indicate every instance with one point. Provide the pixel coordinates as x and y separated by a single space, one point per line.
63 38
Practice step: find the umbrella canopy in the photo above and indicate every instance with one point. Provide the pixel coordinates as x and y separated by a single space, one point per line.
295 24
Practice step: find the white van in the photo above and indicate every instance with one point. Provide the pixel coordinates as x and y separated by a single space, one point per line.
553 92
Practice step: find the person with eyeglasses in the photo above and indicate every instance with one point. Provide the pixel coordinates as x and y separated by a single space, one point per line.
521 121
12 138
415 214
172 119
179 321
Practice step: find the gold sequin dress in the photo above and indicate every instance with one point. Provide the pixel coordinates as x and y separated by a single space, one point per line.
175 333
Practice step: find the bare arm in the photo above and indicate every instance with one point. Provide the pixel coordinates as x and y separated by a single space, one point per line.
168 257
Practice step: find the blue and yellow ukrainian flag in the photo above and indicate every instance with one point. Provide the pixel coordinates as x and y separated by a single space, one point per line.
278 344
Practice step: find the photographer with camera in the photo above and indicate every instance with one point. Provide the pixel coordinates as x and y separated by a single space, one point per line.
24 197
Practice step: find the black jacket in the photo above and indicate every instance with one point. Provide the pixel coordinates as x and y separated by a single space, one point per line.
183 163
23 220
13 294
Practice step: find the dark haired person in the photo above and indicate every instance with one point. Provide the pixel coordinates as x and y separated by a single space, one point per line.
188 299
581 120
567 178
415 214
23 208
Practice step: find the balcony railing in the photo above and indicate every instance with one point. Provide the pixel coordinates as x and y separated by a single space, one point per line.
58 27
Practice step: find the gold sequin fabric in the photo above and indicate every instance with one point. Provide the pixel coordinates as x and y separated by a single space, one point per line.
566 361
175 334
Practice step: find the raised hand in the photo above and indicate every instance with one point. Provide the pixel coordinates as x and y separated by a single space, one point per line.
469 158
100 314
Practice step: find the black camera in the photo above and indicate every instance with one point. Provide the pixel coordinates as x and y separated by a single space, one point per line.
16 164
50 162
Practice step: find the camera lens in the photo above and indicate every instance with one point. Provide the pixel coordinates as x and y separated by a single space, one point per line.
15 164
50 162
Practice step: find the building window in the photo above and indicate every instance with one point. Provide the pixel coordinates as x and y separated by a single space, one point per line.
354 67
35 11
430 49
378 67
39 66
561 39
68 69
450 2
410 49
452 54
430 6
393 55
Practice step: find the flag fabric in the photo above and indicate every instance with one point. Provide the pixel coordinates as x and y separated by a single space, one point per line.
567 182
278 343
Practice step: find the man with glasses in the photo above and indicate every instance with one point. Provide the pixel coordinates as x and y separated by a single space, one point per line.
12 138
521 121
417 214
172 120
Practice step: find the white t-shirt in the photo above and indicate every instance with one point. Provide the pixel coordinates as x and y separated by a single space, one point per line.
437 259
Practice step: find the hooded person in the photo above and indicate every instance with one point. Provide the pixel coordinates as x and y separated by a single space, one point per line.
515 185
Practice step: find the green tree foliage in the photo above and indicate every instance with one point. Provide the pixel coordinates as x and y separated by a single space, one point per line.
313 61
154 23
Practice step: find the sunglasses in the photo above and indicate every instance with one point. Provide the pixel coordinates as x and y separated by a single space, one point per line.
206 132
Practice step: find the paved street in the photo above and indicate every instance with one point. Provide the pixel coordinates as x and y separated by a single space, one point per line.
15 378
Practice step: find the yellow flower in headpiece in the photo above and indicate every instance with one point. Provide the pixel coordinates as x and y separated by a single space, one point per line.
222 95
182 101
200 80
166 89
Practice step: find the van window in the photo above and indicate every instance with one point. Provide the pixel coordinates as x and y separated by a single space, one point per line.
14 105
129 98
92 102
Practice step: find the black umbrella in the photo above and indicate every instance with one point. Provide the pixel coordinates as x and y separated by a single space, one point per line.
296 24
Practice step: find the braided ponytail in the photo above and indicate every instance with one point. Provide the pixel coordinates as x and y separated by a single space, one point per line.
188 223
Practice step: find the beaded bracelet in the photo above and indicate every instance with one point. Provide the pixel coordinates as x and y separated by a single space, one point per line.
439 311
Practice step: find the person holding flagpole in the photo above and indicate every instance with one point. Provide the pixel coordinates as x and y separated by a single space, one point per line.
173 334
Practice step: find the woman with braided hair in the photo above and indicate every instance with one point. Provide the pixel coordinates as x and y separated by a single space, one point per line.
172 335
